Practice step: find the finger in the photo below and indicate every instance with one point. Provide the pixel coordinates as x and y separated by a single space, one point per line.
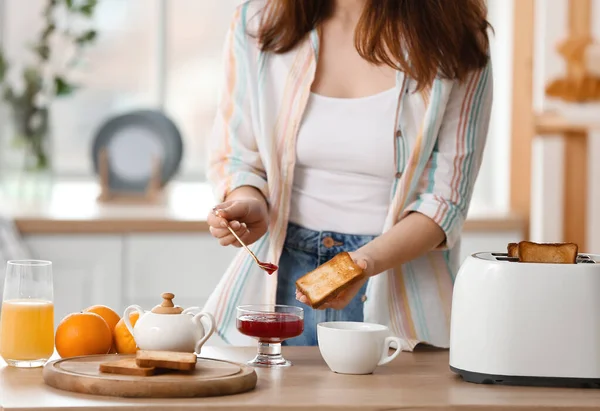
361 262
239 229
302 298
214 220
227 240
234 210
230 239
219 232
235 225
242 232
244 237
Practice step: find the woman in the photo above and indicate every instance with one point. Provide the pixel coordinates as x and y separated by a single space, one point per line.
350 125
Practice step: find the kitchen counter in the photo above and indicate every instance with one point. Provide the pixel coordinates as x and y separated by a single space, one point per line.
70 207
419 380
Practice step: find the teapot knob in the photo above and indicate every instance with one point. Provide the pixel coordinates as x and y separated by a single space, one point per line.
167 300
167 306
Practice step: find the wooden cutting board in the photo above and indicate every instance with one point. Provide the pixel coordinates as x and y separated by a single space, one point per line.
210 378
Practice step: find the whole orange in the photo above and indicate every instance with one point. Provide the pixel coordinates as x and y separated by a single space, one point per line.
82 334
109 315
124 341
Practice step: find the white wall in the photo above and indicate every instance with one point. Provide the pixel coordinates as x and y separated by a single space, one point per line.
547 178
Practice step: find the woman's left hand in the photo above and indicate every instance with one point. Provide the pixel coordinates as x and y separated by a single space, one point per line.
344 298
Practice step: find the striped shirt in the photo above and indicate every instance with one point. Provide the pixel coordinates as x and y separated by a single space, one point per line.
439 139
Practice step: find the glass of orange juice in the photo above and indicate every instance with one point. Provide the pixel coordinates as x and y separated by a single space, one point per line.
27 316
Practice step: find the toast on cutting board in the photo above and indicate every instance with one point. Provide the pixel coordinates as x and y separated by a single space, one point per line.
563 253
126 366
181 361
329 279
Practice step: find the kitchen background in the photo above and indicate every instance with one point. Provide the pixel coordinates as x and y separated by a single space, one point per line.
165 56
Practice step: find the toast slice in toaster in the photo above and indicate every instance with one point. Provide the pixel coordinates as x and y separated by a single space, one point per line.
329 279
513 250
565 253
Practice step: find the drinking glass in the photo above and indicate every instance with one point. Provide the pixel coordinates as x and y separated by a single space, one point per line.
270 324
27 316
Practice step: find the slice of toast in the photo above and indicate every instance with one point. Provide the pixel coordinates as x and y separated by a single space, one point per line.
126 366
182 361
564 253
513 250
329 279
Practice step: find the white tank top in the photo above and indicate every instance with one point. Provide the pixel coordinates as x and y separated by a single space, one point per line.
345 164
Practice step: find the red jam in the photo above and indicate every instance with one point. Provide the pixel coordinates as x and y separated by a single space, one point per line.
269 268
270 327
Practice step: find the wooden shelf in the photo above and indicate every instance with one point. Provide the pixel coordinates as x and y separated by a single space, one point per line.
71 208
554 124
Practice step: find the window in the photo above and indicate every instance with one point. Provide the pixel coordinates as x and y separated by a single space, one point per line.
167 54
492 187
149 54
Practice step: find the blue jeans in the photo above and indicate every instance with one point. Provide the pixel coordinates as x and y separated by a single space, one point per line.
305 250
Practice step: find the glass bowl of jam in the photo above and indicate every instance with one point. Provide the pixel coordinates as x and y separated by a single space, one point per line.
270 324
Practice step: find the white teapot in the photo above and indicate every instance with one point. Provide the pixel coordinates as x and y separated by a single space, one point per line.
170 328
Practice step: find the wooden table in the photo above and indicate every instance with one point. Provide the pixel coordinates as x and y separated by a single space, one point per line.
418 380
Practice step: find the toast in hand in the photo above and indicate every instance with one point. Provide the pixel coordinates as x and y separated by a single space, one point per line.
565 253
513 250
126 366
182 361
329 279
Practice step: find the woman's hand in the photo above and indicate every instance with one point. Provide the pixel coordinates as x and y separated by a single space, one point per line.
248 217
344 298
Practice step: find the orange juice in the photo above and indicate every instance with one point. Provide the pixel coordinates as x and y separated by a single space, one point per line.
27 330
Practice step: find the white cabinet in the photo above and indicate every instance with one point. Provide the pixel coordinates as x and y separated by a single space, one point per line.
119 270
188 265
86 269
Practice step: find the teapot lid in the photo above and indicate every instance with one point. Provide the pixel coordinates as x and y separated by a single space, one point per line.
167 306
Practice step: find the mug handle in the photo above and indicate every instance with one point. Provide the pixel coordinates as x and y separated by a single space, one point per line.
128 311
385 358
197 319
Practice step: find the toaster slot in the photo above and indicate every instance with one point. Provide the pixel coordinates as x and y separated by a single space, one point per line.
584 259
510 259
497 256
581 258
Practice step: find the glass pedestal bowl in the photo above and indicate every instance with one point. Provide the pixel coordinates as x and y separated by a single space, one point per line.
270 324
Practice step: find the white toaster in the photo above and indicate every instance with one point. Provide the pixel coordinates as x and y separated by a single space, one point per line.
526 323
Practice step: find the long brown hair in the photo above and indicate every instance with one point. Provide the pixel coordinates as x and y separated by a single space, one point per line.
423 38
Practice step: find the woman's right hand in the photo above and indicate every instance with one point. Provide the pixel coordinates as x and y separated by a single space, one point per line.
248 217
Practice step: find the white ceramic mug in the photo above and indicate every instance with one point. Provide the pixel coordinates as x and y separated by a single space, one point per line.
356 347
